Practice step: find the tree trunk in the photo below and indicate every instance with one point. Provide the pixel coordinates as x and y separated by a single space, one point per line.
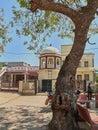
65 85
82 17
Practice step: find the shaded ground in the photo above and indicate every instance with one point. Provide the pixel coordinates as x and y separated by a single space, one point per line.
19 112
23 117
23 112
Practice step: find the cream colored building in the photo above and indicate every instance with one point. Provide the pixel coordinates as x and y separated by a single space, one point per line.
50 62
85 71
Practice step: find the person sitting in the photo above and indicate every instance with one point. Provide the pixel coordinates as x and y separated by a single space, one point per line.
75 97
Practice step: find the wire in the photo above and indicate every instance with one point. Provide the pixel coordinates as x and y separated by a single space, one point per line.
34 53
92 49
16 53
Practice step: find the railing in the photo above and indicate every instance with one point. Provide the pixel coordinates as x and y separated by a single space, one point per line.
9 85
4 69
22 68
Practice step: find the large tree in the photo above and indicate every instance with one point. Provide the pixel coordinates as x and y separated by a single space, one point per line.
81 13
47 17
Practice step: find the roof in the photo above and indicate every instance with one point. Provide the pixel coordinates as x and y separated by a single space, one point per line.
50 50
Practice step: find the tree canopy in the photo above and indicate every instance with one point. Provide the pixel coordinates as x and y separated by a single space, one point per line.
46 20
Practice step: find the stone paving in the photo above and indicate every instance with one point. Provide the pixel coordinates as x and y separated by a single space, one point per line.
23 112
18 112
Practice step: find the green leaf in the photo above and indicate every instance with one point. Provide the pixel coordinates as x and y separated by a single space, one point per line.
23 3
33 37
25 42
0 66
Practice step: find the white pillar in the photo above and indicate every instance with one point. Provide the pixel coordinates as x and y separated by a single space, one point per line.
11 80
25 78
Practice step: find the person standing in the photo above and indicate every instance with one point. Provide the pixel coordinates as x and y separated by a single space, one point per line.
77 91
89 92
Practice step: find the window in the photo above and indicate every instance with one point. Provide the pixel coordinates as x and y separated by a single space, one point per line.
86 77
86 64
58 62
92 62
50 61
43 61
62 61
79 77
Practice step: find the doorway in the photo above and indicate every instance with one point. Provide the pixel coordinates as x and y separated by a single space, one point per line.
46 85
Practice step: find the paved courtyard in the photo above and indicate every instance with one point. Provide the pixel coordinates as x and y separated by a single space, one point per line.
19 112
23 112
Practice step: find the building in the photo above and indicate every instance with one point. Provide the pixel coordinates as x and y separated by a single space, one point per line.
14 72
50 64
42 78
96 80
85 71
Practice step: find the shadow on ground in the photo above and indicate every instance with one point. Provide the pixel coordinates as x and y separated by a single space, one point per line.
24 117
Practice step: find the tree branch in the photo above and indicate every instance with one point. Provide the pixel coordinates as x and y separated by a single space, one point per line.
92 3
91 43
53 6
82 16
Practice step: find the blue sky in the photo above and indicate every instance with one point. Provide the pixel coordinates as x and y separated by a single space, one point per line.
16 51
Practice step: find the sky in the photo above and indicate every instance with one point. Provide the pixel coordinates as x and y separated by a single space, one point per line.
15 51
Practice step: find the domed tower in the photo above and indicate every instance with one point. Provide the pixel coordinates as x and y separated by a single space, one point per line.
50 63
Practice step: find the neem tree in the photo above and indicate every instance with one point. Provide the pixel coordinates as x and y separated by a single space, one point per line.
71 18
4 38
